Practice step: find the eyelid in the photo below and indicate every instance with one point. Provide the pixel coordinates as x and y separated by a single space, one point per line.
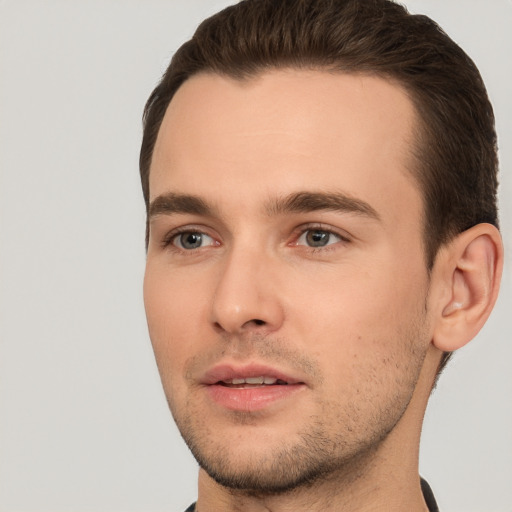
166 241
170 236
178 242
318 226
333 239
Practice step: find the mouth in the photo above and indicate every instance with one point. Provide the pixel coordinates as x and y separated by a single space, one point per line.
251 382
249 388
255 375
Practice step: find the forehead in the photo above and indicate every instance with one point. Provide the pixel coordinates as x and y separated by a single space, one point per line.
283 130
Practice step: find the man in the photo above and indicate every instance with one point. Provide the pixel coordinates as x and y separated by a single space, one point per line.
320 179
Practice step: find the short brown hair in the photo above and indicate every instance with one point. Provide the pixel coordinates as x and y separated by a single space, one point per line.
455 150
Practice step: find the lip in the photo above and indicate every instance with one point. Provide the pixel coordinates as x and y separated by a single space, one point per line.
226 372
249 399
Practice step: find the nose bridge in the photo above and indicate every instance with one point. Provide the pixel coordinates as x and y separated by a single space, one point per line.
245 297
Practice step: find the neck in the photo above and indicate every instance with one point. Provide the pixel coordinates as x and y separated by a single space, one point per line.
385 479
394 493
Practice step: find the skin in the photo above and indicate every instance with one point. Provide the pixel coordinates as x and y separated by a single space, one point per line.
353 320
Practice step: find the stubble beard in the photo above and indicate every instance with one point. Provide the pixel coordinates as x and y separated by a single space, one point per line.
315 456
318 453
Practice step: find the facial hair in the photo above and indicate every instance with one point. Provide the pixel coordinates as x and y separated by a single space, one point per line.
338 441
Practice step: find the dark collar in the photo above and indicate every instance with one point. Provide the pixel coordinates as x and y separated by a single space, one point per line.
427 494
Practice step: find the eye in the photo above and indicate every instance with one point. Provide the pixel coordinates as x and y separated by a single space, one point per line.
318 238
189 240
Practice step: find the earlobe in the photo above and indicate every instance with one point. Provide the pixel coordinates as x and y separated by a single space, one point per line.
473 272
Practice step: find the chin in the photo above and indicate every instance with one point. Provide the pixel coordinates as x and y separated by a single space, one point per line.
277 466
274 473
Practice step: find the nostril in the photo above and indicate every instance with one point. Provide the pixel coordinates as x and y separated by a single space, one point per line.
256 322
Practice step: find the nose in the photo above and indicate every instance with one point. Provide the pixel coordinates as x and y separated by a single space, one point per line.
247 296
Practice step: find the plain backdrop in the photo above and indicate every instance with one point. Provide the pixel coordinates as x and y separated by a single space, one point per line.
83 421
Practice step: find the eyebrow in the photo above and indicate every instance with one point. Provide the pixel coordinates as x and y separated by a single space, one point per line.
304 202
298 202
170 203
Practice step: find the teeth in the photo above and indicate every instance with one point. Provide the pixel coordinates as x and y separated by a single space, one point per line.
252 380
255 380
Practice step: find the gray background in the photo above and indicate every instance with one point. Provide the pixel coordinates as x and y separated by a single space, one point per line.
83 421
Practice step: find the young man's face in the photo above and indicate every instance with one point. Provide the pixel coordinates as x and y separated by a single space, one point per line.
286 287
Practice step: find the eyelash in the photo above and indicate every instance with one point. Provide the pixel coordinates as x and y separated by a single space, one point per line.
302 230
168 240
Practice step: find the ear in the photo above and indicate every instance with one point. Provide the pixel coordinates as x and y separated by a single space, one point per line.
472 265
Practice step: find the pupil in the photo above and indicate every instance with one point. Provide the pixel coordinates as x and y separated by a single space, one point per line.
317 238
191 240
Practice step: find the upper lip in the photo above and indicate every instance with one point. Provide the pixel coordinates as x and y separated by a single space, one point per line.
226 372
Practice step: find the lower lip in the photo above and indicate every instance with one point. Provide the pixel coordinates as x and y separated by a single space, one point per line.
251 399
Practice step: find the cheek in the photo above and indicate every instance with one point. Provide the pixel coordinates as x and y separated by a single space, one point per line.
175 314
359 313
368 336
